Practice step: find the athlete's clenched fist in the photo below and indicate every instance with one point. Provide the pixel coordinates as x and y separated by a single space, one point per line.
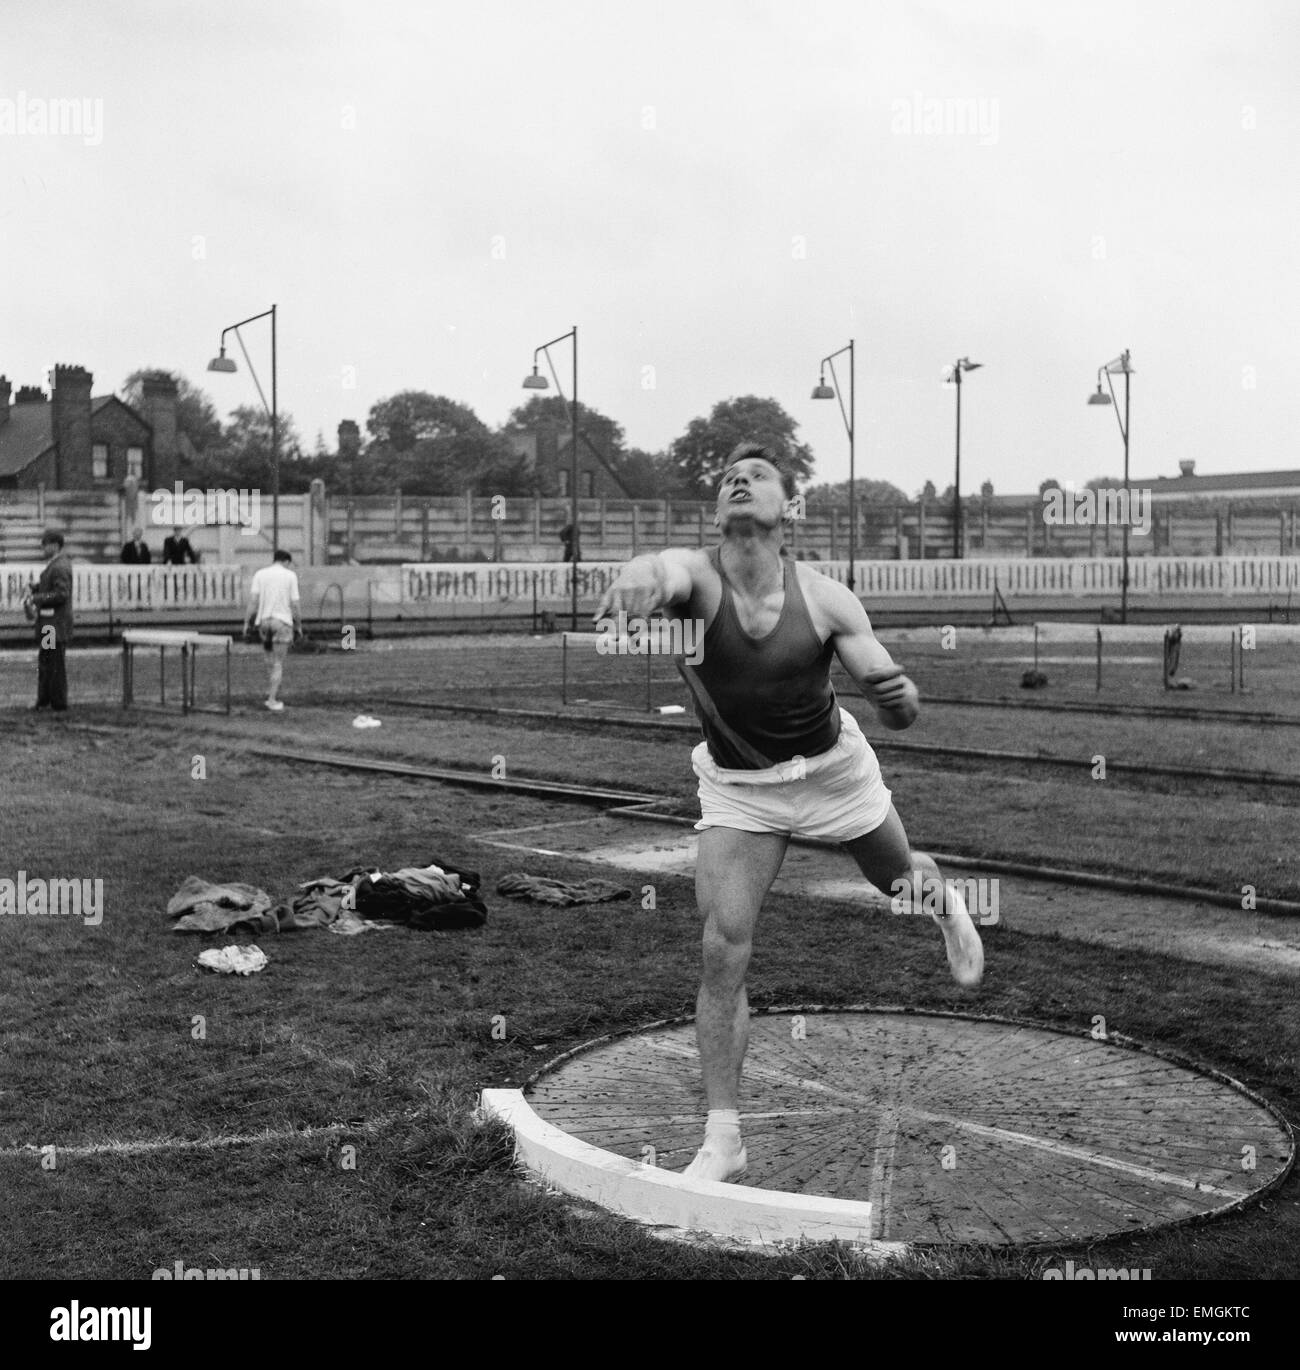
895 698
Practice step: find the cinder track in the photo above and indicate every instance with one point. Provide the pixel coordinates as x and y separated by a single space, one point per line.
1191 715
661 808
605 722
658 808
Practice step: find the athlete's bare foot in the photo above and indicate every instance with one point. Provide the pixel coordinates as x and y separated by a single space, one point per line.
717 1160
962 940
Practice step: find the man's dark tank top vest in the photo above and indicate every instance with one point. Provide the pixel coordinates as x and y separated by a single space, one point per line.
764 700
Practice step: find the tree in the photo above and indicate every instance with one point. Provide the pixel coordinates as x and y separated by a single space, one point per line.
551 414
700 454
648 475
196 416
425 444
242 456
867 492
928 491
1105 483
1052 484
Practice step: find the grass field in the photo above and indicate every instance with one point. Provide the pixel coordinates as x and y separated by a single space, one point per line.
229 1147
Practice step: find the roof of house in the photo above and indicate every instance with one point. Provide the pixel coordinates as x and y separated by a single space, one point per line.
29 432
27 435
1243 483
101 402
1211 485
564 440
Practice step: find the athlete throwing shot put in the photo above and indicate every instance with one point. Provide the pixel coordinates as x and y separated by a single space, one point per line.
780 758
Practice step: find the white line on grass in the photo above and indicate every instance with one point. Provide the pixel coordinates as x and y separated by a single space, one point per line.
207 1143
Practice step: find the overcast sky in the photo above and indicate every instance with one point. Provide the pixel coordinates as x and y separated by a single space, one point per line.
717 194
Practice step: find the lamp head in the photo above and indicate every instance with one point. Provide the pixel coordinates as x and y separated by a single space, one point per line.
967 365
1101 397
222 363
822 391
536 382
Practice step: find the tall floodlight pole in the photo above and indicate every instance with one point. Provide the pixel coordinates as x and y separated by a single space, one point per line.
538 382
1120 366
960 365
822 391
223 363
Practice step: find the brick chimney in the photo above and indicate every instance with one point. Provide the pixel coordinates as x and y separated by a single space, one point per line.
30 394
70 422
5 390
349 446
158 390
1186 468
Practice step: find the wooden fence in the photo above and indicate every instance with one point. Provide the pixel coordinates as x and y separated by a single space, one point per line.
123 589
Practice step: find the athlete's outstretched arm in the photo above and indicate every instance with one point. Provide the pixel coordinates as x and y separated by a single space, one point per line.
649 582
894 697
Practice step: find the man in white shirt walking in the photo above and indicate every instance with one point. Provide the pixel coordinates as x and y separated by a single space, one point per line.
274 605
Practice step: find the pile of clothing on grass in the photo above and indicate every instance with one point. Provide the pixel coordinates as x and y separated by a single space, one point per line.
437 896
566 893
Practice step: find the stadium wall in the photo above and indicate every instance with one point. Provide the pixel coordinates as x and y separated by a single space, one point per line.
320 529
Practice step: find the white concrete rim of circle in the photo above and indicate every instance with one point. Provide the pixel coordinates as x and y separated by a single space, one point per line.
765 1217
661 1198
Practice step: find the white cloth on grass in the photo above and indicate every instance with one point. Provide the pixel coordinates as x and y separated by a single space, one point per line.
233 960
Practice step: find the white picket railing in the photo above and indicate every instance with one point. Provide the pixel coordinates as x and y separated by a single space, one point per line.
454 582
101 588
1051 576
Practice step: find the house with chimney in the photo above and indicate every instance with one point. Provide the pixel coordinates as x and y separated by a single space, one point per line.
549 456
74 440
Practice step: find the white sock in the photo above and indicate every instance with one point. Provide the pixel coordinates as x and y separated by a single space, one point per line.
722 1156
723 1125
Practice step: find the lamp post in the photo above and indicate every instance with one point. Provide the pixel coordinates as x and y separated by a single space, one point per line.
223 363
960 365
536 382
822 391
1120 365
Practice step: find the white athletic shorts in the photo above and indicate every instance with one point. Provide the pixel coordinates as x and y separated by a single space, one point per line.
837 796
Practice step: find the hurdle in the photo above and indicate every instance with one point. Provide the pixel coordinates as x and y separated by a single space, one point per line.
189 644
566 635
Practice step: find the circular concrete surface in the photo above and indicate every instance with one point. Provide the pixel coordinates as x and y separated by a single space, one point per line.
955 1129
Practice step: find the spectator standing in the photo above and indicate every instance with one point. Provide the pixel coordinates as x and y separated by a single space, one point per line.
136 552
177 550
274 605
48 604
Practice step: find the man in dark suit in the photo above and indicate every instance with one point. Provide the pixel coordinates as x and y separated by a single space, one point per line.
49 605
136 552
177 550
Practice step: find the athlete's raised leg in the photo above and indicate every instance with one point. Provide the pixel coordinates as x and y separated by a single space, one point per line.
885 857
733 872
